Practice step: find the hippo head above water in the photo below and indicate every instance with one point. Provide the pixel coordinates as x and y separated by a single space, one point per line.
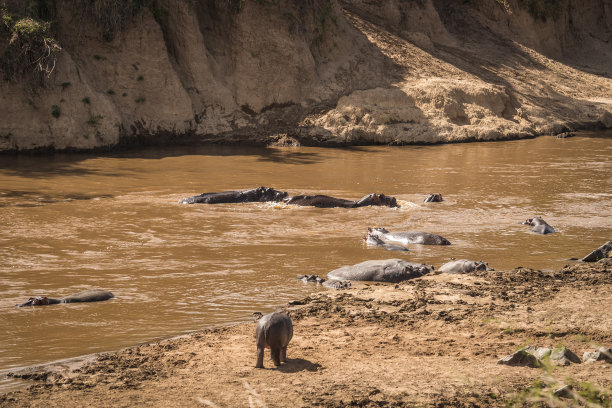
376 231
379 199
270 194
539 225
36 301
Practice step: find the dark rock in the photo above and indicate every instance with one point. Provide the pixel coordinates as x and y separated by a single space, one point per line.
564 392
601 354
563 356
521 358
602 252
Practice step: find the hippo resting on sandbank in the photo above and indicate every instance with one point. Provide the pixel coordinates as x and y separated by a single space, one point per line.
539 225
408 237
604 251
93 295
337 284
323 201
274 331
388 270
434 198
464 266
259 194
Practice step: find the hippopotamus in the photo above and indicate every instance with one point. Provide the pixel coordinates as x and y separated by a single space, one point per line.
408 237
274 331
311 278
388 270
93 295
434 198
464 266
373 240
259 194
539 225
337 284
604 251
323 201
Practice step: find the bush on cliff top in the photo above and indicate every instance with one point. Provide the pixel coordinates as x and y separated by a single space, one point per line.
26 46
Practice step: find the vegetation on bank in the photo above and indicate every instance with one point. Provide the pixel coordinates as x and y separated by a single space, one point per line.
27 45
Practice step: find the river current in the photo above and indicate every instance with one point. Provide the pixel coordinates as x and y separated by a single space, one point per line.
74 222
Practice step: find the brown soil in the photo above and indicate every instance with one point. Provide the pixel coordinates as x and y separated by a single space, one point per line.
432 341
325 73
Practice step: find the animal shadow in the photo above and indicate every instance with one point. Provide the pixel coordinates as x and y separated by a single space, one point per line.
295 365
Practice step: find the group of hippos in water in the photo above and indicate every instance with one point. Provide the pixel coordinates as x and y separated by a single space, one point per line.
275 330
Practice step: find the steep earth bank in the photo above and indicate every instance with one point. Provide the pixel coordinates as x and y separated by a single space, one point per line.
317 72
430 342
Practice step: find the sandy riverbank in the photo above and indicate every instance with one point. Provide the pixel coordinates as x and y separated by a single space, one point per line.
432 341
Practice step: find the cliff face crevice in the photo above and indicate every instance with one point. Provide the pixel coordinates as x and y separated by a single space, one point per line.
321 71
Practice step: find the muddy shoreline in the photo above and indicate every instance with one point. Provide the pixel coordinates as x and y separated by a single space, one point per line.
287 138
431 341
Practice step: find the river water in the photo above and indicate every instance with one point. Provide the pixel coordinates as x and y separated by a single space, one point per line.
74 222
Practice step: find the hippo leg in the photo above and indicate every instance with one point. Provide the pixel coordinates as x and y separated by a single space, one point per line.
283 355
275 351
260 356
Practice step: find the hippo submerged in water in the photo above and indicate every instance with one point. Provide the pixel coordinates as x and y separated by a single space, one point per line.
408 237
323 201
539 225
265 194
259 194
94 295
274 331
434 198
374 241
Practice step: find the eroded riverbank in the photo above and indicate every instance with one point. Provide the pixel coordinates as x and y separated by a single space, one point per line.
431 341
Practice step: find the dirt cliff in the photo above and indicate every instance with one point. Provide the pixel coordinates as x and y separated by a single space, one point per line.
323 72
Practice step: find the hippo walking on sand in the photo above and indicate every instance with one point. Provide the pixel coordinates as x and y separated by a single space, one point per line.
539 225
274 331
259 194
408 237
93 295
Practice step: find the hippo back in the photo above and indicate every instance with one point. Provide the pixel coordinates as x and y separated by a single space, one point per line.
94 295
463 266
274 330
389 270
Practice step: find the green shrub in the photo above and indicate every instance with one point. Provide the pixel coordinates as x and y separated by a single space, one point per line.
56 111
94 120
29 46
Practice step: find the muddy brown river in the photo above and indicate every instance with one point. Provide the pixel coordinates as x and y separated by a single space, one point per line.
74 222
